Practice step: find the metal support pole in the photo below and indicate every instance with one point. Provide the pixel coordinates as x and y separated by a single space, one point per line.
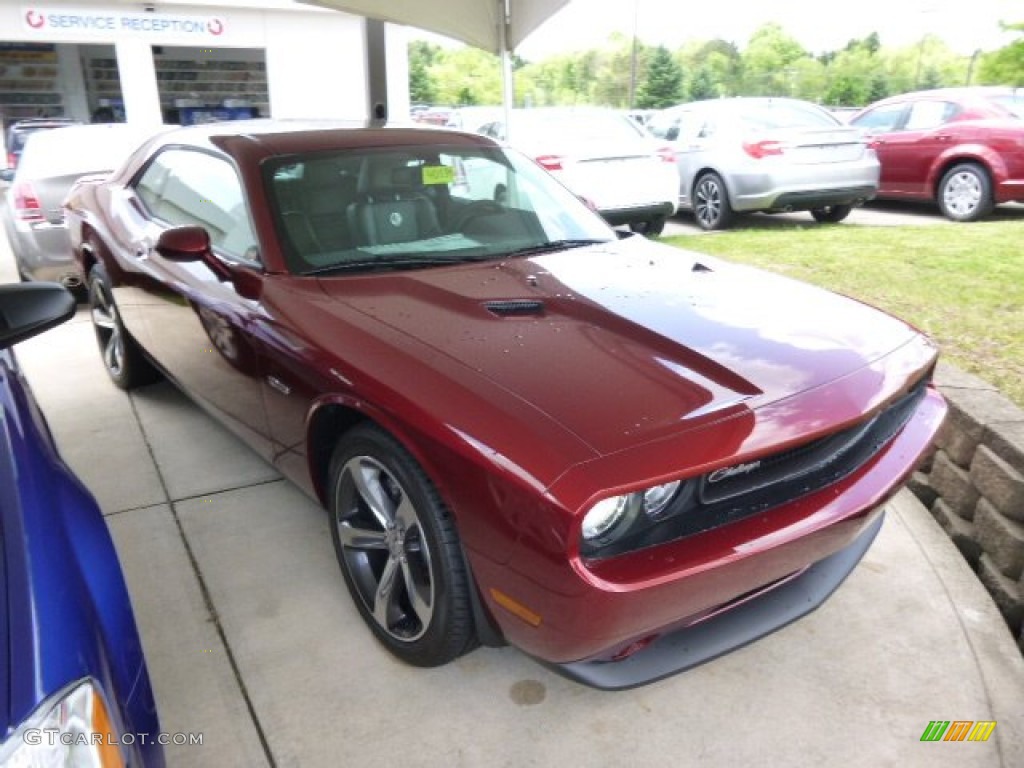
507 90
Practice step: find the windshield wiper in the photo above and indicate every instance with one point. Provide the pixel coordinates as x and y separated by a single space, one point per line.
553 245
395 262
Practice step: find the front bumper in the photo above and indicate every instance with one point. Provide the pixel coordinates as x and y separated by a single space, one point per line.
612 607
730 629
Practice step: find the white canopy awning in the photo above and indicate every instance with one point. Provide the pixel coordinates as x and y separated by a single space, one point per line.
475 22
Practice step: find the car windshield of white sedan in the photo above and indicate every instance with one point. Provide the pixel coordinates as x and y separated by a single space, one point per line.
414 207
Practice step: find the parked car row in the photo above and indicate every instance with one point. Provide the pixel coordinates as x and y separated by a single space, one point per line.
960 148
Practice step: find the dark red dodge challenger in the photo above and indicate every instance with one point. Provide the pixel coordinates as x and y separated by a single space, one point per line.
623 458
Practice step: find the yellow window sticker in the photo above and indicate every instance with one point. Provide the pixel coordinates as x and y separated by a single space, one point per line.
438 174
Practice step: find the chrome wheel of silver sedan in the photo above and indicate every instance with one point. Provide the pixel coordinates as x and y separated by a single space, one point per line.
965 193
398 550
711 205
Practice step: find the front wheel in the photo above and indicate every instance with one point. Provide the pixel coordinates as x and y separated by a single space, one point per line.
126 365
398 549
711 203
965 193
831 214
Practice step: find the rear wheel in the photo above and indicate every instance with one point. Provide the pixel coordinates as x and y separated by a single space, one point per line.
831 214
398 550
649 228
126 365
965 193
711 205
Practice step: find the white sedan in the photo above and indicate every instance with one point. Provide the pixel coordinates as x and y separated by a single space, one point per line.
604 157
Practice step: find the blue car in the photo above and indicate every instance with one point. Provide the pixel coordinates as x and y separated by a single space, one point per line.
74 689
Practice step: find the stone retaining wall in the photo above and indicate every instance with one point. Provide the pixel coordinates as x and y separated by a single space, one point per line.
973 484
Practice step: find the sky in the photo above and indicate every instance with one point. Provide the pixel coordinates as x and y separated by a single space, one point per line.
819 26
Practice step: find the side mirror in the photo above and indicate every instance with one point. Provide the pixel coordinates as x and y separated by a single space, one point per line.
189 244
7 175
184 244
29 309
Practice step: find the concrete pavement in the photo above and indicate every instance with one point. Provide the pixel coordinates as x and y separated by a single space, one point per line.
252 640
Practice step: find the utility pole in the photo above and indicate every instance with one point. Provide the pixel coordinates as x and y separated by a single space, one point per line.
970 67
632 58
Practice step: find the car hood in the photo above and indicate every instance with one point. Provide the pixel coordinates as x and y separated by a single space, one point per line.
630 341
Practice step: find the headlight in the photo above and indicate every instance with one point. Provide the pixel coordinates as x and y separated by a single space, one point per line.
608 515
71 730
609 519
657 499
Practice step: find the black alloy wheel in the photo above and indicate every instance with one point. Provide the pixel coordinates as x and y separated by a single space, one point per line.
399 550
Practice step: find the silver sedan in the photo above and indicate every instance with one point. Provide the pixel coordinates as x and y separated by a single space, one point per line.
51 162
766 154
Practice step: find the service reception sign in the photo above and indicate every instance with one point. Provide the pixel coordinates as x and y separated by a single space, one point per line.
54 23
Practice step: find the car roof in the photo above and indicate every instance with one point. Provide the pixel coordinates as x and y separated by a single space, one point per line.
252 141
276 137
961 92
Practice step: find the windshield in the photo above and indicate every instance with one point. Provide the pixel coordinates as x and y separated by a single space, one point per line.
362 210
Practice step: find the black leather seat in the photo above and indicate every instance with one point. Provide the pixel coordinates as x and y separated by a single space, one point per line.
391 206
317 221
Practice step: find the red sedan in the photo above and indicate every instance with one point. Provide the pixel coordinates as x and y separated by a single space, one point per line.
621 457
962 148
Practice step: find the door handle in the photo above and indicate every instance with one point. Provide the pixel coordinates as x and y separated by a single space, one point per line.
142 250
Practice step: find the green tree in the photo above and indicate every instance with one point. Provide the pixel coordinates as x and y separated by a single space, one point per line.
1005 66
703 85
468 76
768 61
422 56
662 85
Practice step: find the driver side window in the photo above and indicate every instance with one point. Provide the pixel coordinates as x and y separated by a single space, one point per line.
190 188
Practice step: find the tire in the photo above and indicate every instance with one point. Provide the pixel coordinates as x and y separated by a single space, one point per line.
650 228
965 193
389 526
711 205
831 214
126 365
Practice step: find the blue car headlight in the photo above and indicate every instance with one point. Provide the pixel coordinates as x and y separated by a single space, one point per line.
72 730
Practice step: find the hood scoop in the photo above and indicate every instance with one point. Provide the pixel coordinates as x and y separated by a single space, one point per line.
515 307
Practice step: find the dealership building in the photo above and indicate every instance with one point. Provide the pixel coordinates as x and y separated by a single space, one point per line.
195 62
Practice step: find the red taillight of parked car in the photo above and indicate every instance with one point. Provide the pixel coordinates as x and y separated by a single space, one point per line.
761 149
12 160
26 203
667 154
550 162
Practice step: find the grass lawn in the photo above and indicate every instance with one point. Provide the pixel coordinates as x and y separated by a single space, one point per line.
963 285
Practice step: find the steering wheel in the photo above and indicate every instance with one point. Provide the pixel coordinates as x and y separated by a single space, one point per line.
475 209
